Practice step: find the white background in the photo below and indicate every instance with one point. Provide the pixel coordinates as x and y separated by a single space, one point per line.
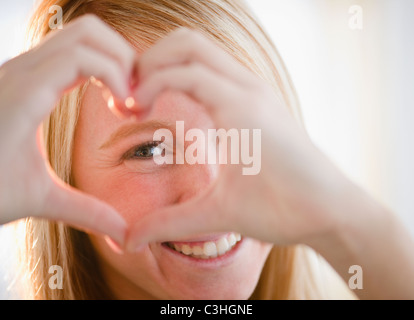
355 86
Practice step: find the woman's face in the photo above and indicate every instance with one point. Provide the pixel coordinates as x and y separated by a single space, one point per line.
112 161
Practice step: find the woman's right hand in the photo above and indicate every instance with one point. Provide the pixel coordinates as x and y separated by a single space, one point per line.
30 85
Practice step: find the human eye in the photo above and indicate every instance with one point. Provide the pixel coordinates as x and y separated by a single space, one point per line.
144 151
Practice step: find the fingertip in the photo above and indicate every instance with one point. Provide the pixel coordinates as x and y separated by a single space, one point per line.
116 230
135 246
138 248
85 213
136 111
132 241
114 245
112 89
137 238
118 108
114 109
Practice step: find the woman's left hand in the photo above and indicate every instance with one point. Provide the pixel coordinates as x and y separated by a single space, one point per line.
299 196
287 201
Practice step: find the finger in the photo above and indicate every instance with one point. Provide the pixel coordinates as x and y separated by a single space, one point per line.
197 216
68 69
199 82
82 211
118 107
82 63
185 46
40 142
89 30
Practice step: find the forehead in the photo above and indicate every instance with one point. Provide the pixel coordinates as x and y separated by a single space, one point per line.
96 120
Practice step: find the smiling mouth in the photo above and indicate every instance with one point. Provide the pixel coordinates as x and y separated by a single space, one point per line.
207 249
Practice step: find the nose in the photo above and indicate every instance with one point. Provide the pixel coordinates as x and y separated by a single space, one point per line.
195 179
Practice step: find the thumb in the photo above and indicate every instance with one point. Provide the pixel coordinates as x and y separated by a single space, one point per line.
84 212
196 216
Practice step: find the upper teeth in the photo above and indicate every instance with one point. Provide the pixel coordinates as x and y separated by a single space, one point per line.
210 249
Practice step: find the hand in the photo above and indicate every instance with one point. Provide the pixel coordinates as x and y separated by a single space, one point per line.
286 202
30 85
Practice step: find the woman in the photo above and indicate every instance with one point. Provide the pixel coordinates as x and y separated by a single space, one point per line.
165 218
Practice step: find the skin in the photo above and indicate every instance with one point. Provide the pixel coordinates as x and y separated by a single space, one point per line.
62 61
136 188
298 197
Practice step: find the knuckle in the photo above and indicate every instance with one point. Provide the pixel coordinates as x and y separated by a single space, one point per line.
5 67
86 23
182 32
88 19
196 71
76 52
196 39
197 68
191 36
11 66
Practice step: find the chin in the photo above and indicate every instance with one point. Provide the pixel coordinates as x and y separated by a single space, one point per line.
202 268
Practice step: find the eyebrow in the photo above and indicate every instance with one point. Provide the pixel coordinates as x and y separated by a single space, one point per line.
134 128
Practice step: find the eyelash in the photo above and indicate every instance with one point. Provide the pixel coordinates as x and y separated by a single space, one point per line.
132 154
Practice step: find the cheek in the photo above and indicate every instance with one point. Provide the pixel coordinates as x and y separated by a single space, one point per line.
132 195
139 196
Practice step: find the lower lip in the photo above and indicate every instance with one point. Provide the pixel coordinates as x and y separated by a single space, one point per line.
212 263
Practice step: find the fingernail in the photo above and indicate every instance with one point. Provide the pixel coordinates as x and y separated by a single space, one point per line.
114 245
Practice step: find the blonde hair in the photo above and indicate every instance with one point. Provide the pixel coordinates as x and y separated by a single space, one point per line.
289 273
